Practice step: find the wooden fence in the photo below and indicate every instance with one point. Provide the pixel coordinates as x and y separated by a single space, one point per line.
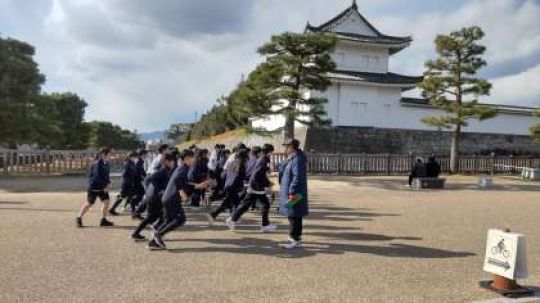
48 162
15 162
387 164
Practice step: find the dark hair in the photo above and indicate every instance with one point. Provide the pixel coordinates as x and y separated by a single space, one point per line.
133 154
169 157
162 148
227 152
238 147
103 151
217 146
186 153
142 152
256 150
267 148
192 146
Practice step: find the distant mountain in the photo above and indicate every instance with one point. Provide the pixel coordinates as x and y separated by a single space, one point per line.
157 135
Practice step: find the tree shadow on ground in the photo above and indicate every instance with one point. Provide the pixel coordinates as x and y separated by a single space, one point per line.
256 246
12 202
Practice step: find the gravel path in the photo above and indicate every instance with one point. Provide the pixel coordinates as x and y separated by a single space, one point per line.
368 239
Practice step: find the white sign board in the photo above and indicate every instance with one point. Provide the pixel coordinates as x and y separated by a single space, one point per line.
506 254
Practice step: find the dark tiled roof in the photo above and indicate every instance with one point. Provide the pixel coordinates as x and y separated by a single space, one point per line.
385 78
508 109
399 42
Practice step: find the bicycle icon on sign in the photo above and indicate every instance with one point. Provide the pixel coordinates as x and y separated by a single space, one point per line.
500 248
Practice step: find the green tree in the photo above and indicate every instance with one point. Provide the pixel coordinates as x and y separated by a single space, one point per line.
113 136
302 62
451 84
64 111
20 84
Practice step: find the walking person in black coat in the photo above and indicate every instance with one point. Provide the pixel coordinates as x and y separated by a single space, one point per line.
98 187
127 190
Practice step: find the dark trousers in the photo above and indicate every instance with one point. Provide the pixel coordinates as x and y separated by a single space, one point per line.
139 194
197 196
155 210
249 200
411 177
295 228
173 217
127 196
230 201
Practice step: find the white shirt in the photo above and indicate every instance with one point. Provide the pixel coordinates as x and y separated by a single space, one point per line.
154 165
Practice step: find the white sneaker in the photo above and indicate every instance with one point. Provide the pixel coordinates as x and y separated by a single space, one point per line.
230 224
210 219
268 228
291 245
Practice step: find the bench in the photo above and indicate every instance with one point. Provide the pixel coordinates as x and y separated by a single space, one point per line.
428 183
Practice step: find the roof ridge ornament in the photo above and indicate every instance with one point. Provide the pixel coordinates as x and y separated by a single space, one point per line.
354 5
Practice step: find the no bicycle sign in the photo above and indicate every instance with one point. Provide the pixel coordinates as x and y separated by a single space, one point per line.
506 254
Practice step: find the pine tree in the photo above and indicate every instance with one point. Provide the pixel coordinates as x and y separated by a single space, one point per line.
451 84
301 62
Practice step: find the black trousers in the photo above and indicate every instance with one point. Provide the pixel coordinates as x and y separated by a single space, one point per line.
249 200
411 177
155 211
173 217
128 196
230 201
197 196
295 228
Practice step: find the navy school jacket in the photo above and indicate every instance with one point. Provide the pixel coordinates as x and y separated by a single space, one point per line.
157 183
199 171
177 182
250 167
129 176
141 173
234 179
98 175
259 178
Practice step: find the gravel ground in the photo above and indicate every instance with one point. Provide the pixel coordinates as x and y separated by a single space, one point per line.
368 239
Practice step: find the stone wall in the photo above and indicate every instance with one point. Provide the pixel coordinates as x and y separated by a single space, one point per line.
398 141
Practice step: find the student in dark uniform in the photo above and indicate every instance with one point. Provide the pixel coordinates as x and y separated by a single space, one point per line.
139 179
98 184
176 191
234 184
198 173
418 170
129 176
258 182
157 183
250 167
155 165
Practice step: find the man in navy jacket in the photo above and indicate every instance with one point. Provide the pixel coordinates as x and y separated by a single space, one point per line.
127 190
98 184
293 193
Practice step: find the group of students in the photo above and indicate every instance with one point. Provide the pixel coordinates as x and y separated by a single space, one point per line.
240 179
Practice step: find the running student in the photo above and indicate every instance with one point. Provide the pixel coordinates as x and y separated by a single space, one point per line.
250 167
256 191
152 198
234 184
98 183
155 165
176 192
139 178
127 190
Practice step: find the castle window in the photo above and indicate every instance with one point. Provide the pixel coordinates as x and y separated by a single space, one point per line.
358 108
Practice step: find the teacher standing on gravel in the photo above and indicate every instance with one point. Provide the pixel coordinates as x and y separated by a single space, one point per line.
293 192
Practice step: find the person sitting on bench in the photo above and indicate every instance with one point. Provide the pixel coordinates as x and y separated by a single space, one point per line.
418 170
433 169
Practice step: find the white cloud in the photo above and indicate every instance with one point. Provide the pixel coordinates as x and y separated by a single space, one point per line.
145 65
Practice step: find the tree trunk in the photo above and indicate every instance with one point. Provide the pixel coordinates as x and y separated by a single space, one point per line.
454 151
289 127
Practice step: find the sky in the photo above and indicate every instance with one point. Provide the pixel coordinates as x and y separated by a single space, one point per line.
147 64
